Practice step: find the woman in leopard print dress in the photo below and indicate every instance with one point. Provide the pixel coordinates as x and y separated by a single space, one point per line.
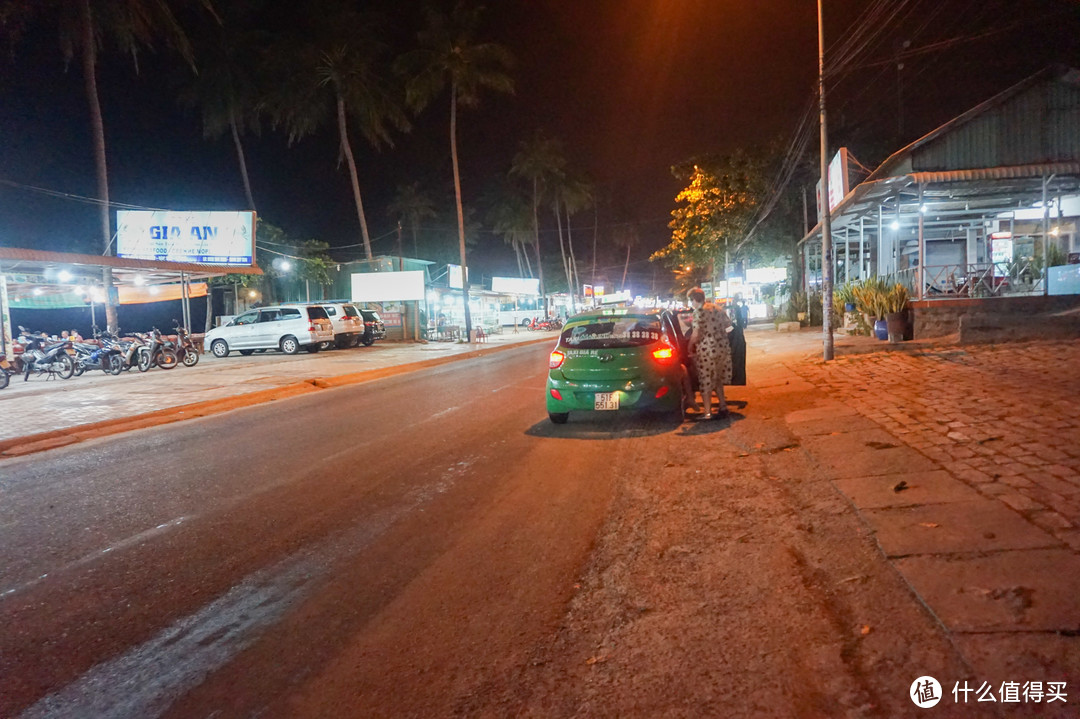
711 350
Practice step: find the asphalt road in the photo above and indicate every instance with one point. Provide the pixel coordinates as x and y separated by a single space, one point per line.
375 550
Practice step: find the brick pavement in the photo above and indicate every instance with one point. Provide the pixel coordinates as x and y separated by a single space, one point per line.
1004 419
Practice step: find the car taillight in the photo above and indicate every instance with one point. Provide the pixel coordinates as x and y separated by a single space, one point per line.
556 359
369 324
662 391
312 328
663 354
556 394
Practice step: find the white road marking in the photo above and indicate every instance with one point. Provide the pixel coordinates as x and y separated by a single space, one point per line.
95 555
144 681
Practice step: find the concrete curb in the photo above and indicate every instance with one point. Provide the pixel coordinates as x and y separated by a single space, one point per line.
20 446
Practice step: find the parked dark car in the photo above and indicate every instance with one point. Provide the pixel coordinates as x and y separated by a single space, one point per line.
374 329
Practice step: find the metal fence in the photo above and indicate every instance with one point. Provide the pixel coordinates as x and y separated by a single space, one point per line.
984 279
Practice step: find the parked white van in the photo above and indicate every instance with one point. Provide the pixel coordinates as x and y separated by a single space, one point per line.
283 328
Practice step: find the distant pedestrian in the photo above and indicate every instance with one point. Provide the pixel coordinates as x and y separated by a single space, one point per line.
711 351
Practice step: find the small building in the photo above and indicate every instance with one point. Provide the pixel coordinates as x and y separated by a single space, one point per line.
981 215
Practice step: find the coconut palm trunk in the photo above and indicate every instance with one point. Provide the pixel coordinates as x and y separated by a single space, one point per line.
528 262
97 125
536 237
346 149
460 211
562 251
570 249
625 267
240 157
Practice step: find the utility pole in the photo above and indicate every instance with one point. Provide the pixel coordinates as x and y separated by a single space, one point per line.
826 211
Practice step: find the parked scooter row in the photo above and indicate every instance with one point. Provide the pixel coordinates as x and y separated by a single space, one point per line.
111 354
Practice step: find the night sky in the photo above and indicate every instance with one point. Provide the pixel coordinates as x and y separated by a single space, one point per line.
630 86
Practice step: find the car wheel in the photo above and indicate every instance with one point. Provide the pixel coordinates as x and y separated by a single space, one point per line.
191 358
354 340
246 353
314 347
219 348
558 417
323 346
368 340
289 345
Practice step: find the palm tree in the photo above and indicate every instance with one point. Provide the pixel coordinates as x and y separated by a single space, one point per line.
625 235
575 194
333 69
450 55
539 161
84 28
510 216
229 89
411 206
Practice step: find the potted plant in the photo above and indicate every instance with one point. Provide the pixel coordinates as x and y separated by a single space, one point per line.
894 306
870 300
845 295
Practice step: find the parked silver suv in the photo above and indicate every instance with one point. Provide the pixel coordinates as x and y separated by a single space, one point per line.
287 328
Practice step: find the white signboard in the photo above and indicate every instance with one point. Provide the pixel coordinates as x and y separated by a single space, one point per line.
387 286
218 238
838 181
763 275
453 277
515 285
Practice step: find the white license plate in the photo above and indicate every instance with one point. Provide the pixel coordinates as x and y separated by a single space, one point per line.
606 400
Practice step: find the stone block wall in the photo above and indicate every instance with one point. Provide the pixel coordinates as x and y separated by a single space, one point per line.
939 318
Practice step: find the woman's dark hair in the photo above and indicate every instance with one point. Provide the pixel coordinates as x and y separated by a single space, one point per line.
696 295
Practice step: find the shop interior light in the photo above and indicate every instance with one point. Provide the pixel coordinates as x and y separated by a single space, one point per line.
923 209
154 290
64 276
895 225
140 280
37 291
1055 231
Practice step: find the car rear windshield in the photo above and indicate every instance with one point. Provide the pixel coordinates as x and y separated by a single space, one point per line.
373 316
350 311
316 313
613 332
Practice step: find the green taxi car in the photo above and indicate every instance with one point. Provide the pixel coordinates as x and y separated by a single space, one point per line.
613 360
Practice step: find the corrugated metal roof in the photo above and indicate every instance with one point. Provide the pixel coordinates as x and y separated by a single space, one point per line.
14 254
998 173
1035 121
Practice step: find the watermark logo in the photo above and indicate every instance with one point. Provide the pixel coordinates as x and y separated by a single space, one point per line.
925 692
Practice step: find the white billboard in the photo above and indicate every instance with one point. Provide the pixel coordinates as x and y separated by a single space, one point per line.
211 237
453 277
387 286
515 285
839 178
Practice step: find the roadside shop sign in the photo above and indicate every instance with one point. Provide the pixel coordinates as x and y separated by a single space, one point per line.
208 237
586 291
516 285
388 286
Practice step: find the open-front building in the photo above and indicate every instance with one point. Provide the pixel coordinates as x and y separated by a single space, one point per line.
983 210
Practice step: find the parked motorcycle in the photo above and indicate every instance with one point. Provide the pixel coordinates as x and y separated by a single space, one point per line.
185 347
105 358
6 370
128 349
44 356
156 352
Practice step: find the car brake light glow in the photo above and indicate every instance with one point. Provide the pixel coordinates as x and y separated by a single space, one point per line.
556 394
556 359
662 391
312 328
663 354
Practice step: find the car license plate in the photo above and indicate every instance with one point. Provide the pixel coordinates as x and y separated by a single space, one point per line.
606 400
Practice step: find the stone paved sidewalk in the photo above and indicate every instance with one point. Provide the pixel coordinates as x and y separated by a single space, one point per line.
1004 419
